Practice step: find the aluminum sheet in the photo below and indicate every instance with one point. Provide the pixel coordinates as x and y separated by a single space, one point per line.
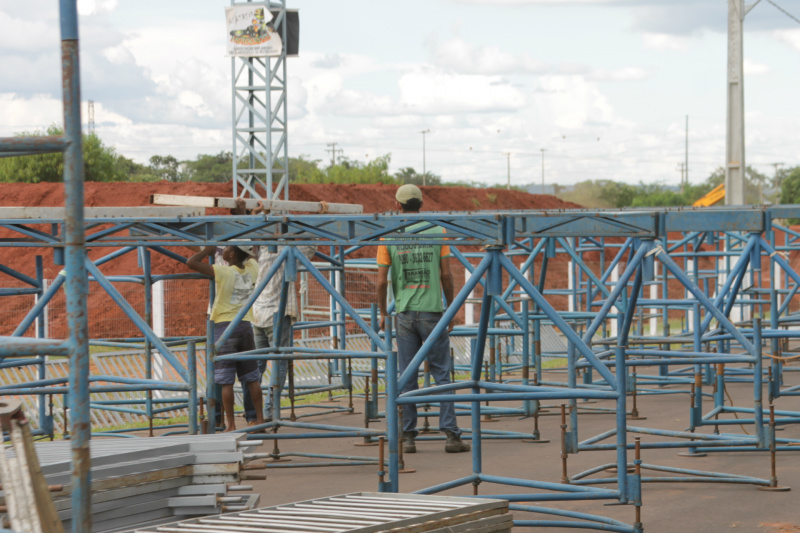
349 513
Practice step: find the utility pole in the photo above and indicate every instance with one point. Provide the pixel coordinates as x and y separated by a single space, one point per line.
91 117
508 158
424 170
682 170
686 153
776 180
333 152
543 151
734 145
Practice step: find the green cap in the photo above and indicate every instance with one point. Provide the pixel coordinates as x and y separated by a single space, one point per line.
407 192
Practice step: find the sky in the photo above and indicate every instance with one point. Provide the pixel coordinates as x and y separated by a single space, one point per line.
572 89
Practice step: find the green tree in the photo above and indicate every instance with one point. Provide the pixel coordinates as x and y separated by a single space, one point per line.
209 168
350 171
790 189
790 186
776 182
409 175
302 170
136 172
590 193
754 185
617 194
167 168
101 162
657 195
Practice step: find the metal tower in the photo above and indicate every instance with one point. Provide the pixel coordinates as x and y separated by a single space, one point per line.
259 125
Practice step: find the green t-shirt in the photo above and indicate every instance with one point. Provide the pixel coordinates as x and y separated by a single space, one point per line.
415 273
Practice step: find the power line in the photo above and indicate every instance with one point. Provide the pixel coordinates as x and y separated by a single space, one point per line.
779 8
333 152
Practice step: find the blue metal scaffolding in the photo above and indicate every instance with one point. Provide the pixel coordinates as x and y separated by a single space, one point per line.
611 359
604 330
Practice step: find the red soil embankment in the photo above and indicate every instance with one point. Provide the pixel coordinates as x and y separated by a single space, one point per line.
105 316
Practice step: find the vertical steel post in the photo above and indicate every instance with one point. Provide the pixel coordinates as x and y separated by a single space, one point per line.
572 383
213 400
144 258
45 422
774 313
526 355
191 362
622 386
77 287
392 430
758 405
492 286
622 434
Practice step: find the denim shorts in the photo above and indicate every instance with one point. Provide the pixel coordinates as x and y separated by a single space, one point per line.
241 340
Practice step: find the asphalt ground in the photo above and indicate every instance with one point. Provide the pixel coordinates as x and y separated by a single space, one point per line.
668 507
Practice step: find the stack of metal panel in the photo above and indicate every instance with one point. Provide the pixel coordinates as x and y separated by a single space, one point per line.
359 513
139 481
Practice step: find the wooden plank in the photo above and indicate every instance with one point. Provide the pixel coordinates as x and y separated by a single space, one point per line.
187 201
45 508
58 213
274 206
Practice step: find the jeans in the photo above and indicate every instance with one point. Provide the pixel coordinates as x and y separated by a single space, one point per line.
264 338
413 329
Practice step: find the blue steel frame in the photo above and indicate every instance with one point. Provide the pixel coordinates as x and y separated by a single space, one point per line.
77 345
495 230
751 230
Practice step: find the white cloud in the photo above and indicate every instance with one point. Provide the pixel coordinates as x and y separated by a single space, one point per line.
190 75
751 68
461 56
166 89
91 7
38 111
140 141
118 55
28 113
28 35
790 37
435 92
665 42
571 102
356 104
622 74
163 48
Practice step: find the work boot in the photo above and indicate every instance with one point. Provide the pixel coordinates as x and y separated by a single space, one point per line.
409 446
454 443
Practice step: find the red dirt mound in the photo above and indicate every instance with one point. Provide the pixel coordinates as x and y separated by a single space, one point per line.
374 198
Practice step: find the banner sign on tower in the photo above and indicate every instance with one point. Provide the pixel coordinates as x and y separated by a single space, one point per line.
251 32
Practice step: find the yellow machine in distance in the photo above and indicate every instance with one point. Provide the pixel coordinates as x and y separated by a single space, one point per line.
713 197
